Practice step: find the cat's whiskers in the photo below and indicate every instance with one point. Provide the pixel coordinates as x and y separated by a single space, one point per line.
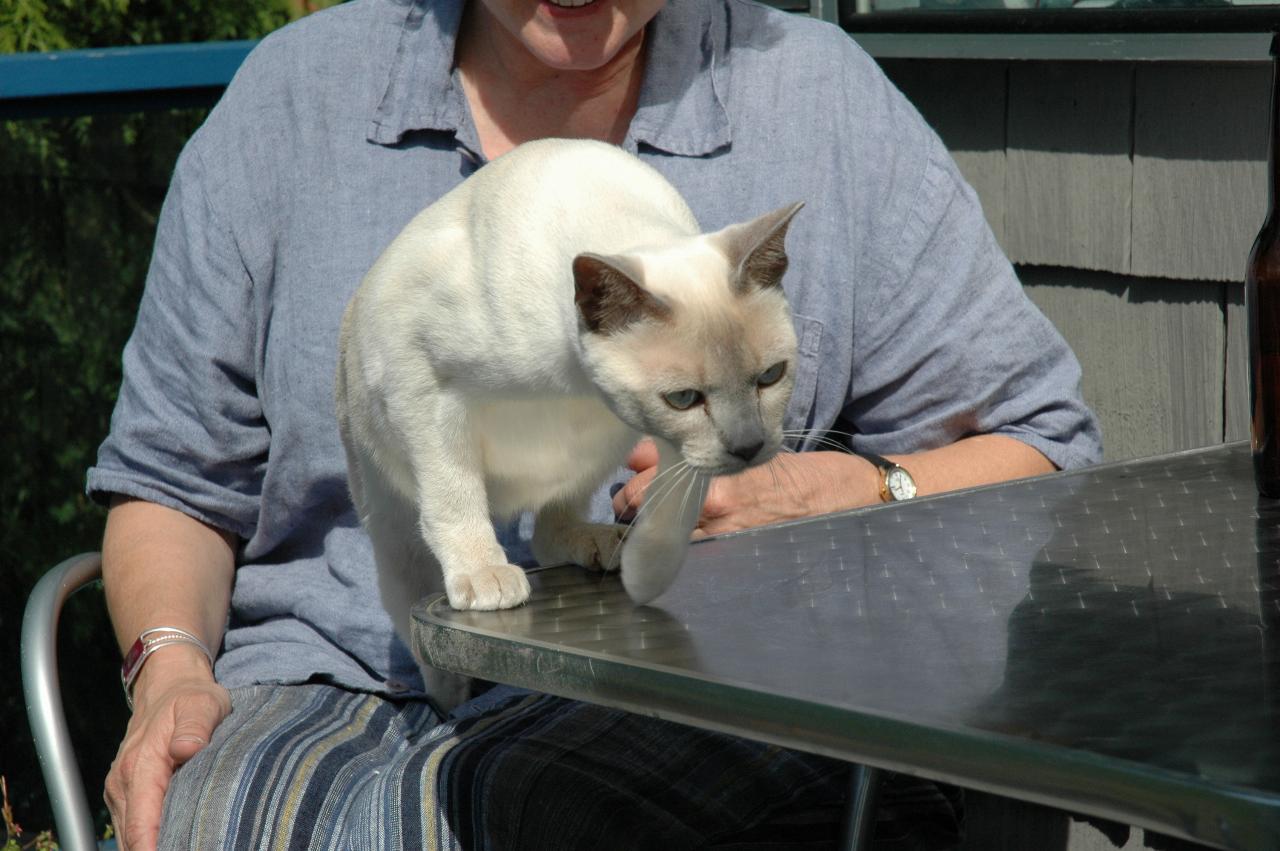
653 496
640 502
819 436
773 472
696 484
680 473
784 470
663 484
786 475
681 476
822 436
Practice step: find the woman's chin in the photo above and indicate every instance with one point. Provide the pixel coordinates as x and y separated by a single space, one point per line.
586 37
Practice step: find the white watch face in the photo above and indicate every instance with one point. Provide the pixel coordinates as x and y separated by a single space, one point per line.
900 484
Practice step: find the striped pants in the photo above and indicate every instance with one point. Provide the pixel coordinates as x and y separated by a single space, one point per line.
314 766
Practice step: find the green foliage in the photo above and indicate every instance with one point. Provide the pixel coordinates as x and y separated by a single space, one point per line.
42 841
81 197
60 24
25 26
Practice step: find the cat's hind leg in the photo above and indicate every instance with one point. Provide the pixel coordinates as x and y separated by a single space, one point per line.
407 571
561 535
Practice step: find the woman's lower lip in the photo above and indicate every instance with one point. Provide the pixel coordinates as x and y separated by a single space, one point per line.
572 11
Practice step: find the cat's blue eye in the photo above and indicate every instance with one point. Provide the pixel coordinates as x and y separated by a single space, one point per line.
682 400
772 375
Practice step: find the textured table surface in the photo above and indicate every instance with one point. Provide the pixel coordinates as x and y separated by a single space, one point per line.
1104 640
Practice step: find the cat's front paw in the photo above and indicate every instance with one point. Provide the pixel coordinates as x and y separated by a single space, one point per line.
596 545
494 586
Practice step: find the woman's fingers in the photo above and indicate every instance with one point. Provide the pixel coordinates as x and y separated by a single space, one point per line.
144 800
195 717
165 732
628 499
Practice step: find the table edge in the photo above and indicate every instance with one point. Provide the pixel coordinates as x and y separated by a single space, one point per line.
1038 772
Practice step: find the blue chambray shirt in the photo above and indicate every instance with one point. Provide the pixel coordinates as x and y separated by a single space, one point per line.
913 329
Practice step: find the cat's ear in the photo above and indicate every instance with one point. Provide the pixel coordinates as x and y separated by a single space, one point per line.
608 295
756 248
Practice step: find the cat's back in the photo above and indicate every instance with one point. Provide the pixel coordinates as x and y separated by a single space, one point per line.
482 279
529 212
581 171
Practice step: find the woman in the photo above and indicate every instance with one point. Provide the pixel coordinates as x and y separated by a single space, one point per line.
230 518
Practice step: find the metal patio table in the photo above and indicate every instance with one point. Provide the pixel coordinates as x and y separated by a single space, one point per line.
1104 640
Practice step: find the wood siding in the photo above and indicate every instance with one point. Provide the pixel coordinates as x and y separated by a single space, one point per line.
1128 195
1148 348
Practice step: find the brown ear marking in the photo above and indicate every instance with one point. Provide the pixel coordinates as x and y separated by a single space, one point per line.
760 245
609 298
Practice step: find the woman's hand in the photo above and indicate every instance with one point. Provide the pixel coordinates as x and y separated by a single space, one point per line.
804 484
177 705
788 487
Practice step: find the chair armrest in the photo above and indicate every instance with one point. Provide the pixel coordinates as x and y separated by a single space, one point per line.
71 811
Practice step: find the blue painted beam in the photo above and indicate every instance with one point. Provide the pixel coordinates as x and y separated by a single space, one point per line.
117 78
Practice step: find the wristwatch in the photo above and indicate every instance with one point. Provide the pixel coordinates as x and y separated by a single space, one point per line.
896 483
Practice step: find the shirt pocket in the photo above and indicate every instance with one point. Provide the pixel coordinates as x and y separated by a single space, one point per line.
804 392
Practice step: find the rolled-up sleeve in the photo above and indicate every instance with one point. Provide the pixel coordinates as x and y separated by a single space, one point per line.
188 429
950 346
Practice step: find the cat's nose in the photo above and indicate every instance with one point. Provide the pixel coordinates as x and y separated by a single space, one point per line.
747 451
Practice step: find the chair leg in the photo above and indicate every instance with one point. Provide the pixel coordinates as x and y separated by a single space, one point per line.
860 811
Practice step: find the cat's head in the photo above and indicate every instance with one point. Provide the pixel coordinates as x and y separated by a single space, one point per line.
692 341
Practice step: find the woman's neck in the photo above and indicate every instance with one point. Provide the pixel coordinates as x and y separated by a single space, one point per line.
515 97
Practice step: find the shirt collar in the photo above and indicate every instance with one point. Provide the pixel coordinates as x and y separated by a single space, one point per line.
680 110
420 92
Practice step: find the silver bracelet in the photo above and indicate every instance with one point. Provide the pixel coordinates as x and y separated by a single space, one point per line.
149 642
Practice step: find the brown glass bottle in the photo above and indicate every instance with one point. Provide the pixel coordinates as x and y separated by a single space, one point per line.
1262 303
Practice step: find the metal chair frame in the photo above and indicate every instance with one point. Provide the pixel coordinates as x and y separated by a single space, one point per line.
71 814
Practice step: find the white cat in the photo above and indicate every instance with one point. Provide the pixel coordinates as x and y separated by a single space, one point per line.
516 339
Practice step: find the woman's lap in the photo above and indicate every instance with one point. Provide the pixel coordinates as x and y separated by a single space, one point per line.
284 761
318 767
